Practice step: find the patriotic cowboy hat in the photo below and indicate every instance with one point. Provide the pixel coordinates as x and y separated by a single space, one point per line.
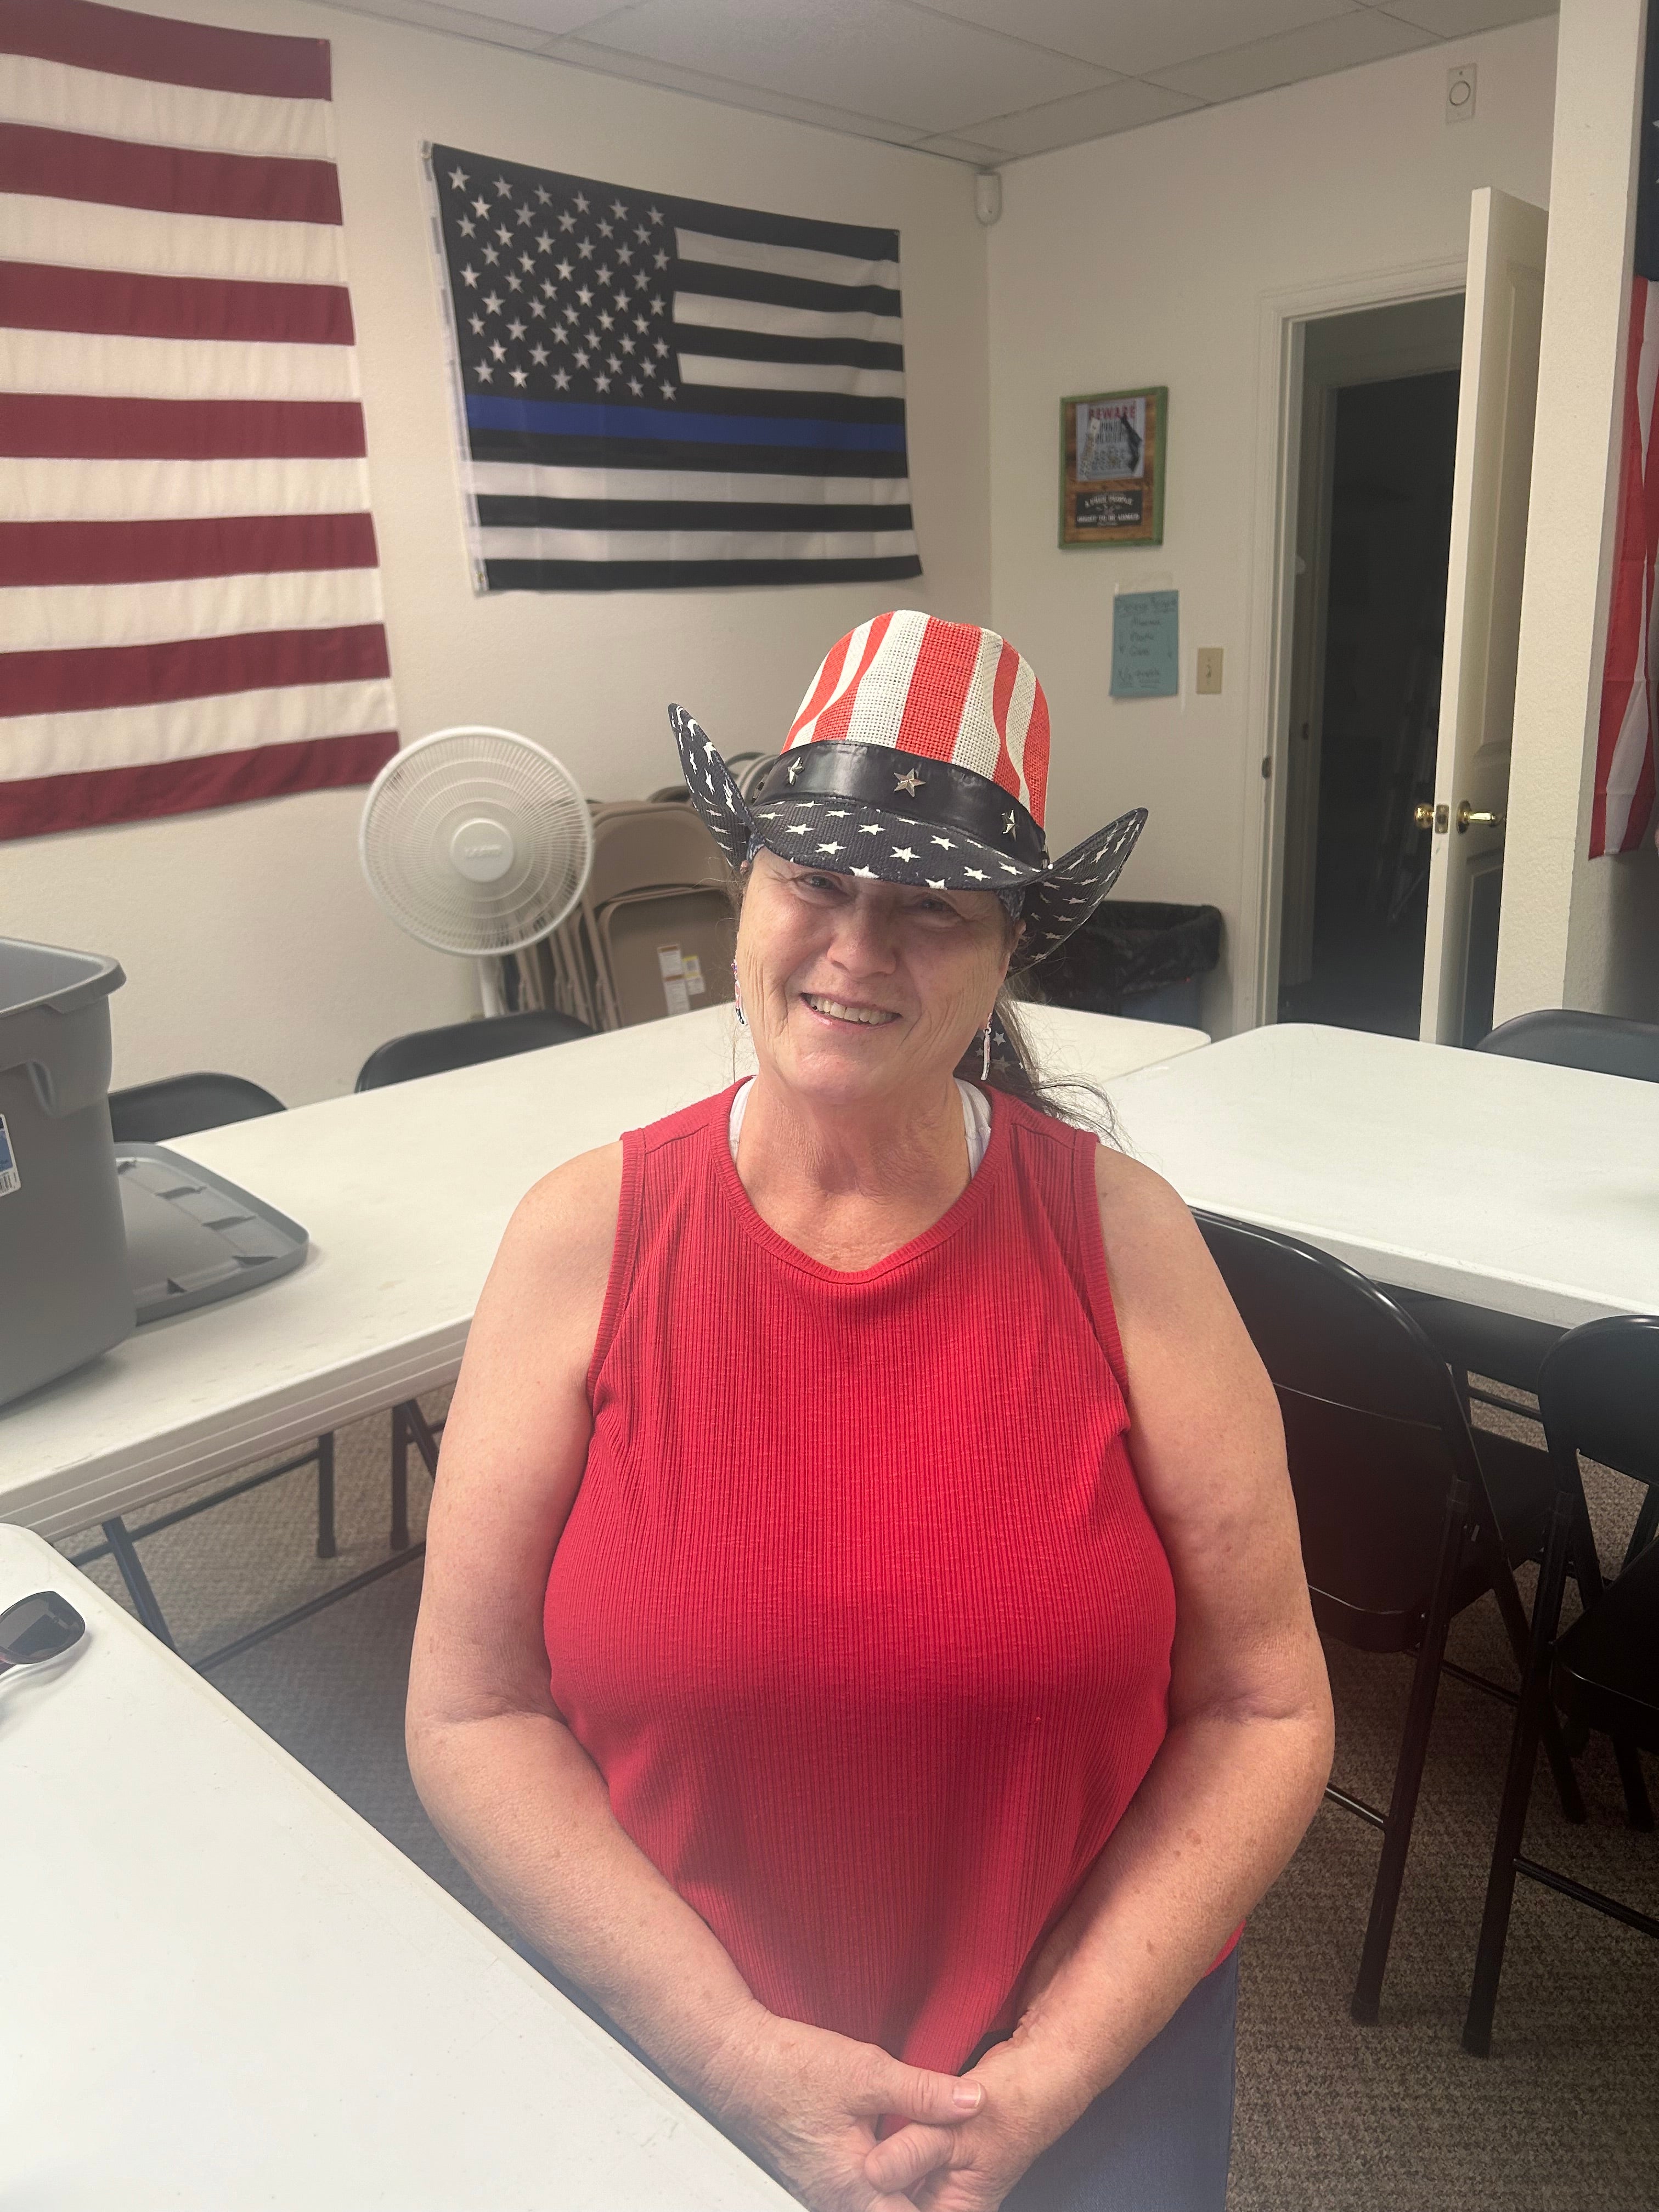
919 756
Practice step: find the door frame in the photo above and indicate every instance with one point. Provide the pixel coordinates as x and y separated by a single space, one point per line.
1305 700
1283 318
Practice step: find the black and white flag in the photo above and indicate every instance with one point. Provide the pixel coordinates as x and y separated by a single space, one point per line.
657 392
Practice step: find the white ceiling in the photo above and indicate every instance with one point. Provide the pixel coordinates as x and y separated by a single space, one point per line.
977 81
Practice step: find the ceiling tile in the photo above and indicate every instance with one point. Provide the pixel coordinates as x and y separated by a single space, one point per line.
553 18
961 149
875 57
1341 42
1096 114
640 68
978 82
1134 36
459 22
1456 19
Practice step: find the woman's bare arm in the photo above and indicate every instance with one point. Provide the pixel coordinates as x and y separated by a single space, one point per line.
1244 1767
515 1794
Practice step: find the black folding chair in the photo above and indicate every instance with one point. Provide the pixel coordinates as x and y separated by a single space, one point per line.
152 1113
1407 1515
1608 1044
1600 1395
465 1044
436 1052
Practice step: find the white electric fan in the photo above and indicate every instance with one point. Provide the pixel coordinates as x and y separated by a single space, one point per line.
478 842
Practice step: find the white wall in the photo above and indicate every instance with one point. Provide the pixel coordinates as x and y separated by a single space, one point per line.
1578 932
249 939
1149 259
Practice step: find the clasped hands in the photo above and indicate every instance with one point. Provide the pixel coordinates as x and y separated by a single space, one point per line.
807 2103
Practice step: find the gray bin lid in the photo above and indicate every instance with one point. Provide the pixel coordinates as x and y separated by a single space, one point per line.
33 975
193 1238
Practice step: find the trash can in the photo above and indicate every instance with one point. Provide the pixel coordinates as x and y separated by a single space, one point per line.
65 1295
1135 957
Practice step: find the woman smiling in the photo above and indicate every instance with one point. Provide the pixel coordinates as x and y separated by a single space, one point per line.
864 1645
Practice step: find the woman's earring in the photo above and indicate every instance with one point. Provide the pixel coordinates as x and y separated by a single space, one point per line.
984 1063
736 999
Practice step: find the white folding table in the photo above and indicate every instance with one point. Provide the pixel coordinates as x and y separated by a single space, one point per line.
1523 1189
406 1192
224 1991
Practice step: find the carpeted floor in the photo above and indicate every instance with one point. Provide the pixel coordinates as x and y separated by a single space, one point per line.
1563 2118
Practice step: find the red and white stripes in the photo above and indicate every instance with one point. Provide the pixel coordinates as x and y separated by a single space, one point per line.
1623 791
942 690
188 582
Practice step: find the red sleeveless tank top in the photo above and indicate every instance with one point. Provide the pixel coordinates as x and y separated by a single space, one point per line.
859 1609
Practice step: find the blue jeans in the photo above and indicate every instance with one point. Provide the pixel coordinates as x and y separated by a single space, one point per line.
1157 2141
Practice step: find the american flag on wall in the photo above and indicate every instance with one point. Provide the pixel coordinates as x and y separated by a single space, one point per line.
187 560
659 393
1624 792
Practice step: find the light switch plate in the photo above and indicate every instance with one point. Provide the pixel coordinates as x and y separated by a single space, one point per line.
1209 668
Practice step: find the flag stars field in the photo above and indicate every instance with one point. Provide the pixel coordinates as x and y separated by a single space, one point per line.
603 287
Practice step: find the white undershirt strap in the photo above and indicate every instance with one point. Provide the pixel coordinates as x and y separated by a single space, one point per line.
976 1120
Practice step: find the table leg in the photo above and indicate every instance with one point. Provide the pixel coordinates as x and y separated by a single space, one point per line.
399 1482
125 1555
327 1544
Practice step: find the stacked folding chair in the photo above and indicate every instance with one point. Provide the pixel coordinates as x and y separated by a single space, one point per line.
653 933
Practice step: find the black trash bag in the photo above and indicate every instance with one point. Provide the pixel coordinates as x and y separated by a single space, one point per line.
1127 948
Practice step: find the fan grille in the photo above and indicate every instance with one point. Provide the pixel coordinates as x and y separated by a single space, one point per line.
439 803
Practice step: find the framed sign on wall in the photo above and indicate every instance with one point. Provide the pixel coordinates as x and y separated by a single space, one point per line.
1111 467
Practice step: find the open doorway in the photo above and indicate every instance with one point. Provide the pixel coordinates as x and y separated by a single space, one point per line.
1378 441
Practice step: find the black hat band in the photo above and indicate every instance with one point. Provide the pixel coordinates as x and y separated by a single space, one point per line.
913 787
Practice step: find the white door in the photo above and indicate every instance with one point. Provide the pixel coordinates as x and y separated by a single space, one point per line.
1496 402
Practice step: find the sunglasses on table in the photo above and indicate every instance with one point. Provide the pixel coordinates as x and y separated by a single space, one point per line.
39 1626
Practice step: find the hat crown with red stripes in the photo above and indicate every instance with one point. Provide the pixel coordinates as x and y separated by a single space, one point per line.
938 690
920 756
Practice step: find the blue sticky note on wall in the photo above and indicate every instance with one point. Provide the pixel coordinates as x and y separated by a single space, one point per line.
1146 644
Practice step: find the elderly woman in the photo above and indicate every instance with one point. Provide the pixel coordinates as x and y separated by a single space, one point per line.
864 1645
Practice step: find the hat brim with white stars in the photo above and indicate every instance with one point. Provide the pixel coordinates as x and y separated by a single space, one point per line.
859 837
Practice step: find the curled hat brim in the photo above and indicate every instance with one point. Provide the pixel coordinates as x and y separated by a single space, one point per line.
862 837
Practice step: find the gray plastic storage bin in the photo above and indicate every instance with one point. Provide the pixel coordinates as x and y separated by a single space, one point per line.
65 1295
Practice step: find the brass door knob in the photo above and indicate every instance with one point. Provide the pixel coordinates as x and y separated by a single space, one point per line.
1424 817
1470 818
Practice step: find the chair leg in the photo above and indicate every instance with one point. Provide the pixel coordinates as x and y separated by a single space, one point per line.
1500 1888
1583 1560
1584 1565
1534 1701
1638 1808
1514 1621
125 1553
1646 1521
327 1547
1408 1771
